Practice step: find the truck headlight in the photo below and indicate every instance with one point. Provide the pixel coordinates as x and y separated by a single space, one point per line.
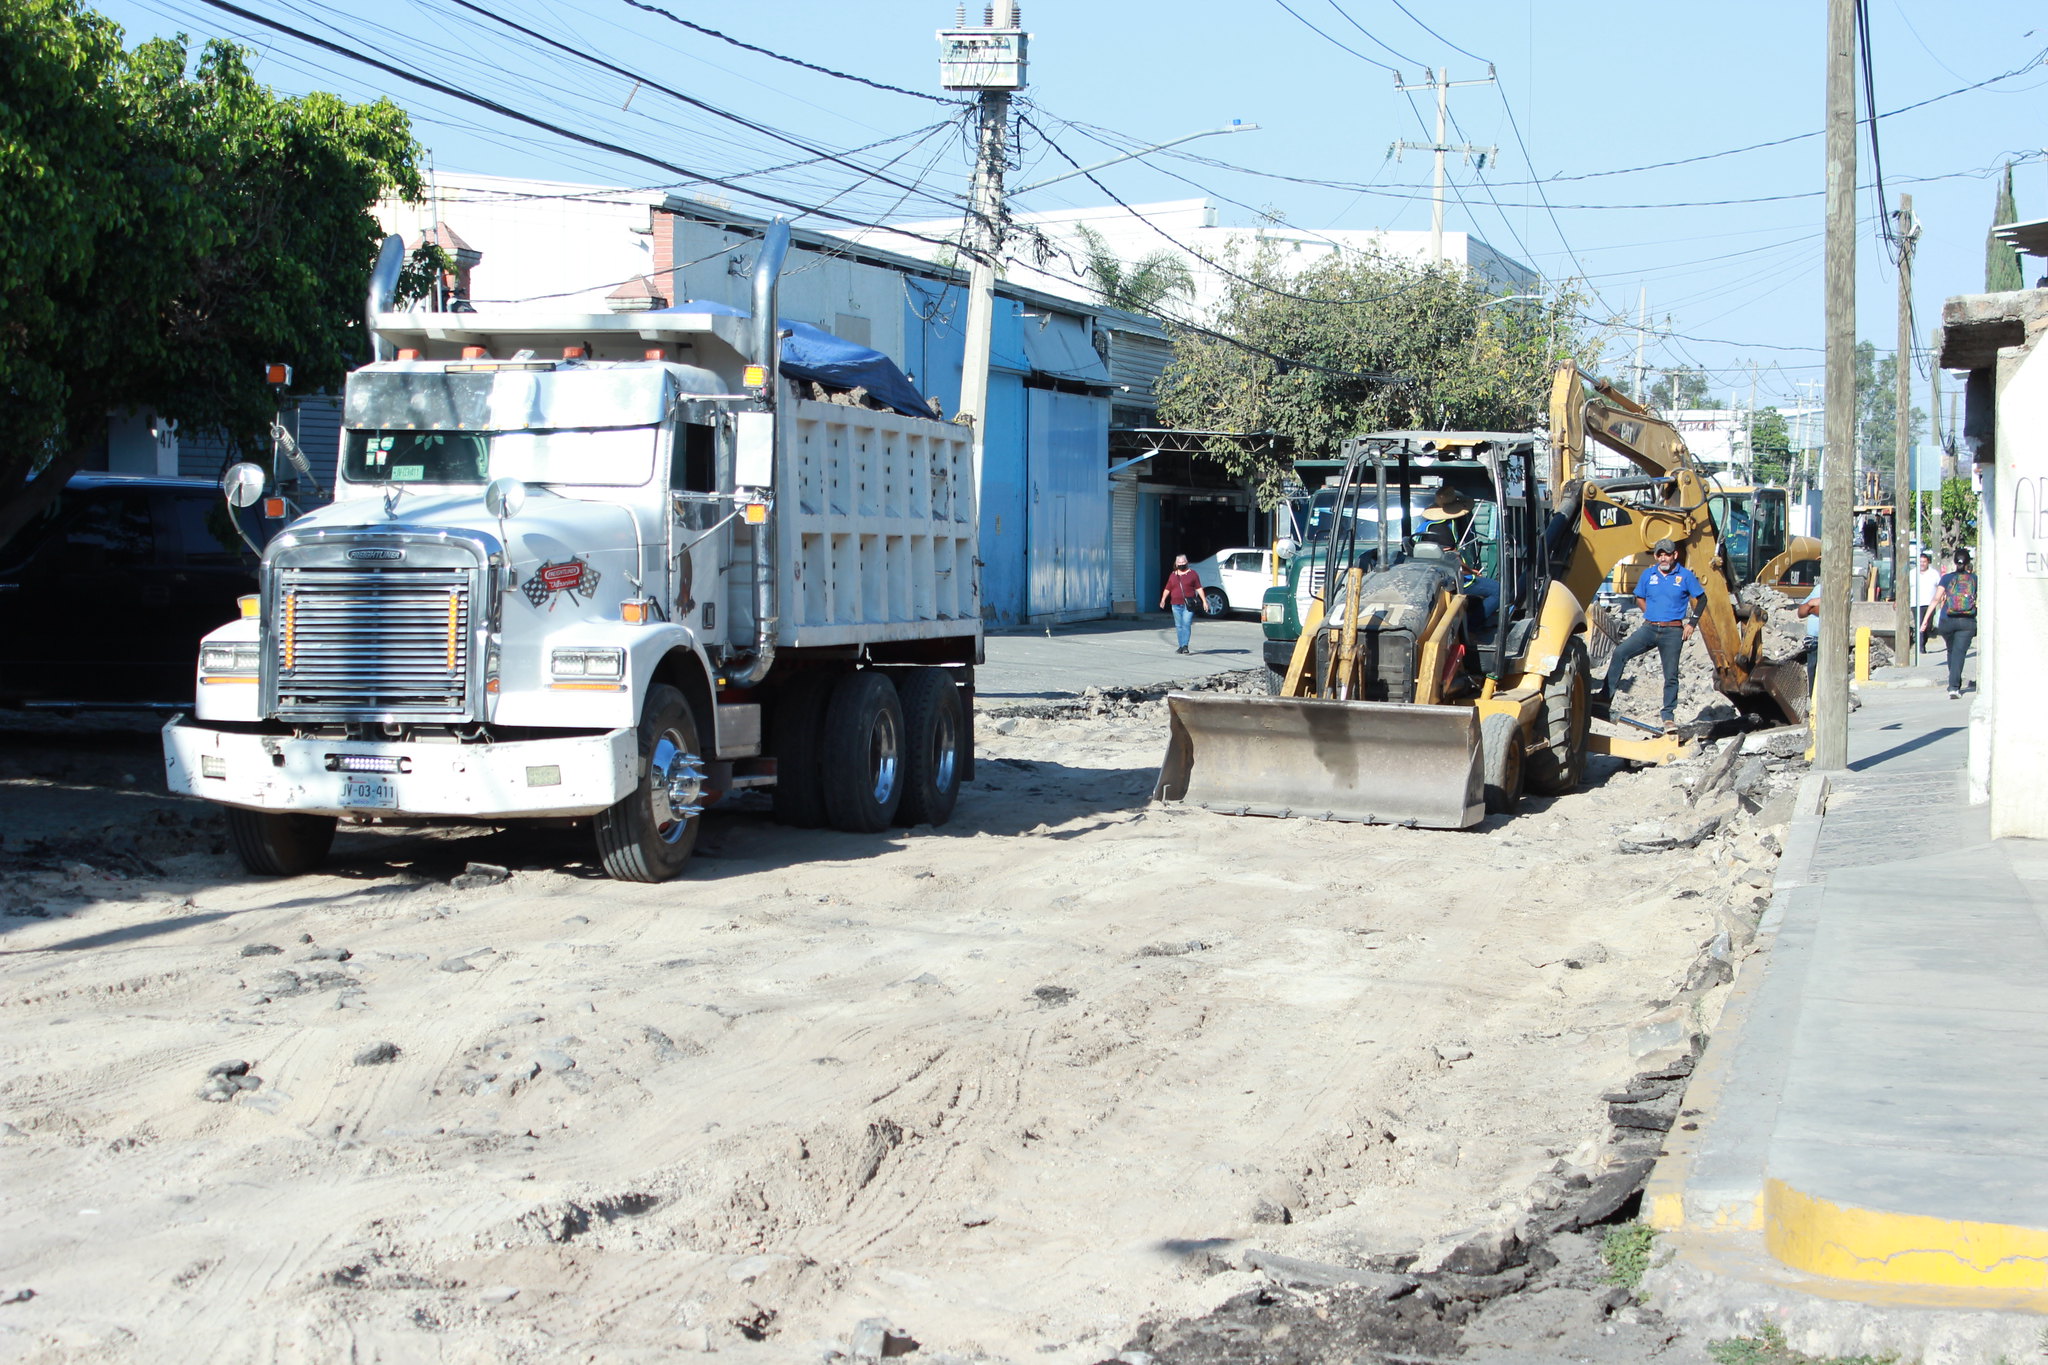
1273 613
588 663
230 658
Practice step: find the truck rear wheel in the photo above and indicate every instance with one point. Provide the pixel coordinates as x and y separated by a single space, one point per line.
1559 767
649 835
1500 761
935 726
863 753
796 736
278 843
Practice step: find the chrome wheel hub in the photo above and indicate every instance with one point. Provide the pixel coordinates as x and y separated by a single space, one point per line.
675 783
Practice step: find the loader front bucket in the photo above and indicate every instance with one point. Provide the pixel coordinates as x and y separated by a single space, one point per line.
1374 762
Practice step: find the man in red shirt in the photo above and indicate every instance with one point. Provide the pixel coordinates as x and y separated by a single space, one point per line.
1184 590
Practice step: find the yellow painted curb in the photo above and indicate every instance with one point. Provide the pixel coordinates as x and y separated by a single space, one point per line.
1847 1243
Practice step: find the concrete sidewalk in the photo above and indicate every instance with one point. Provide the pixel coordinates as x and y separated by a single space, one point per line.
1870 1171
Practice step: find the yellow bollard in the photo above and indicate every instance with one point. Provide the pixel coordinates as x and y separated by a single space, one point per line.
1863 654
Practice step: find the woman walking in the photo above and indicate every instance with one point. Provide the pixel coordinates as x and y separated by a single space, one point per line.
1956 600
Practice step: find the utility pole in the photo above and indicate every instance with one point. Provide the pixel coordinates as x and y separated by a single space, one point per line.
1934 429
1441 82
1749 426
1838 457
1642 322
988 59
1903 498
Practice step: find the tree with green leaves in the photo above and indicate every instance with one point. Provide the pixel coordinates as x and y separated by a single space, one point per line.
167 228
1957 511
1135 287
1877 411
1355 344
1677 389
1770 447
2001 259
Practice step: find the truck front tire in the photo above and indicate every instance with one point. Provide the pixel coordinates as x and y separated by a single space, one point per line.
279 843
648 836
935 727
862 762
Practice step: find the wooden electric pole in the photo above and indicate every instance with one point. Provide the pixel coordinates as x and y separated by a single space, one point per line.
1903 496
1838 456
1935 541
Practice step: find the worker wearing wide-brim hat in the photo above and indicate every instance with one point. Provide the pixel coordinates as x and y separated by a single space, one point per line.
1670 597
1450 511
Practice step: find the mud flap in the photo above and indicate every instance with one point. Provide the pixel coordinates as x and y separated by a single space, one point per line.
1371 762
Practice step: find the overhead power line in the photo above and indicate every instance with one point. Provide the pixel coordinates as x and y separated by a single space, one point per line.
505 111
793 61
690 100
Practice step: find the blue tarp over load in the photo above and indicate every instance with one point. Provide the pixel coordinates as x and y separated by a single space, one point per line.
815 354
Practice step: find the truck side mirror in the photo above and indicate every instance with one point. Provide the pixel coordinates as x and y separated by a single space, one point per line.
243 484
1285 547
504 497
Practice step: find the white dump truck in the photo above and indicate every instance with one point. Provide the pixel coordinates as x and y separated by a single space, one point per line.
603 568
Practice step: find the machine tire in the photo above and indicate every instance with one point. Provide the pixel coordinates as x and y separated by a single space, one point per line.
934 728
1500 763
1559 767
279 843
1214 600
796 738
1275 681
643 838
862 758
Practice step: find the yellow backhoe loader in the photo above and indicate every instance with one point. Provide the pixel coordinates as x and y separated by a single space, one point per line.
1443 664
1439 670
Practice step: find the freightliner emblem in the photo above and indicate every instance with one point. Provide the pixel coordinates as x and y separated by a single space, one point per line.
376 554
570 576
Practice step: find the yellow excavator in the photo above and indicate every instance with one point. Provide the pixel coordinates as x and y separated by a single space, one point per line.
1442 667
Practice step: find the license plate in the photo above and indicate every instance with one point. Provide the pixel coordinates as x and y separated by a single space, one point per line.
373 793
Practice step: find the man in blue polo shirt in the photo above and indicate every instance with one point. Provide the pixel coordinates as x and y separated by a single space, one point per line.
1669 596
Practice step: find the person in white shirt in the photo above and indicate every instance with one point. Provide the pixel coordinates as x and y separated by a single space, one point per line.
1925 580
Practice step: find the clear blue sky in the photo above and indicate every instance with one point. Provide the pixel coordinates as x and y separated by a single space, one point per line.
1733 282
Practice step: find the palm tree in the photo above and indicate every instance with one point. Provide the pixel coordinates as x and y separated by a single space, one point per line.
1138 288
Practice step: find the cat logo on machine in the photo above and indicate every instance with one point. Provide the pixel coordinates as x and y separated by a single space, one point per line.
1606 515
552 580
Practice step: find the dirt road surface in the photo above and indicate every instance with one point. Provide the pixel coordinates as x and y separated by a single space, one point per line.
1013 1085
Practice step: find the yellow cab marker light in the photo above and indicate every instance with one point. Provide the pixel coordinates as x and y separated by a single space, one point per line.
291 622
454 613
250 606
212 681
586 687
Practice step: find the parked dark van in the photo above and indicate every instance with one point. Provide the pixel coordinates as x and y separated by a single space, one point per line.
105 595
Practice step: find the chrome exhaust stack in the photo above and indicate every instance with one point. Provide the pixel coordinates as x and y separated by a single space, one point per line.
383 291
767 348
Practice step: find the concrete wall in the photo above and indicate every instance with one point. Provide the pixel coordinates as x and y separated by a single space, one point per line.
2013 648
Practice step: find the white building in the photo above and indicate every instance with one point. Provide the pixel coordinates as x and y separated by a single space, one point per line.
1189 229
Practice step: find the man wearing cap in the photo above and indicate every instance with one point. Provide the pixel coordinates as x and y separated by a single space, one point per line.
1443 516
1669 596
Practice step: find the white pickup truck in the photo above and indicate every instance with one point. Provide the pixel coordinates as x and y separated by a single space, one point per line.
605 568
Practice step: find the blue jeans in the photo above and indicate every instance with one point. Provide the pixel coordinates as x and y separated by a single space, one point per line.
1667 641
1183 622
1956 634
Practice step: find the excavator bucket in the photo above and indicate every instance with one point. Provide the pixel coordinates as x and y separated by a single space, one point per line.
1373 762
1777 692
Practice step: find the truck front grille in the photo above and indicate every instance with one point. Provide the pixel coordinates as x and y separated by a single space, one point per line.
357 642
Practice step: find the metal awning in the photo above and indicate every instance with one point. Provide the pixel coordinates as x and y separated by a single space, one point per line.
2030 237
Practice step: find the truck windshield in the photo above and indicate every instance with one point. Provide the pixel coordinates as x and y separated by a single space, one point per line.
613 456
1362 506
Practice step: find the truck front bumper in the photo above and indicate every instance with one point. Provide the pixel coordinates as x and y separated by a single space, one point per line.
577 775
